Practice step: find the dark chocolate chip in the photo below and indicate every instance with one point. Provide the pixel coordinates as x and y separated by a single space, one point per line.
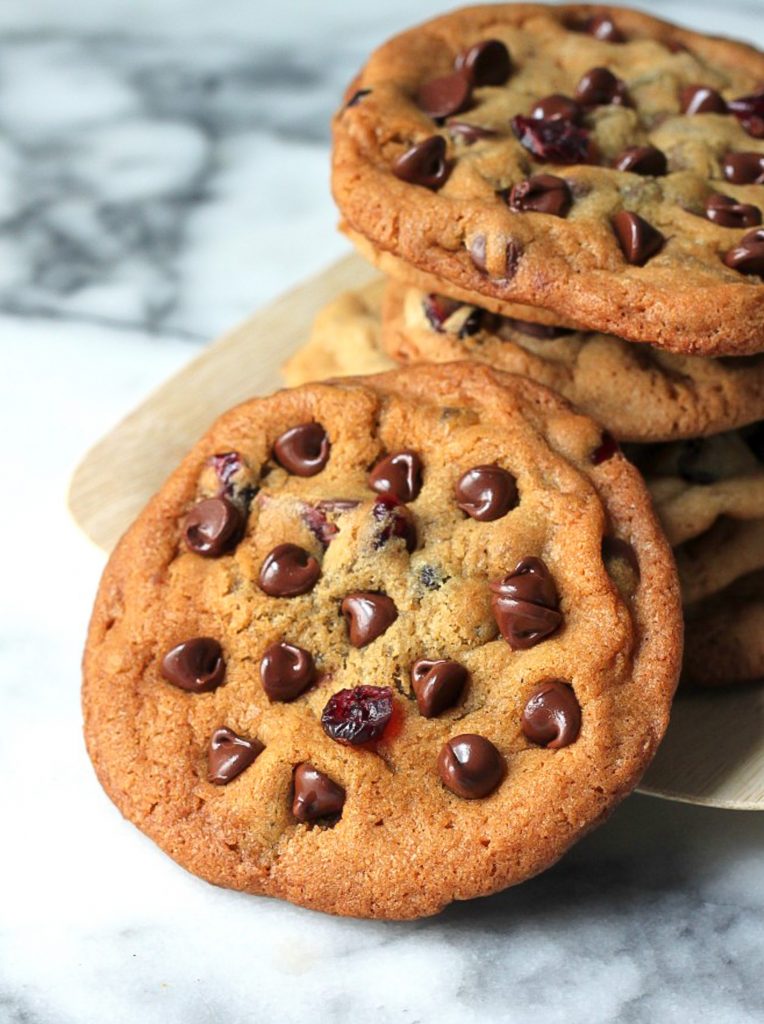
701 99
213 527
729 213
286 671
600 88
470 133
303 450
356 98
552 716
646 160
554 140
316 796
393 520
229 754
195 665
424 163
288 571
556 107
486 493
638 239
470 766
616 547
399 475
359 715
747 256
602 27
525 604
543 193
438 685
486 63
368 615
444 96
749 110
744 168
606 449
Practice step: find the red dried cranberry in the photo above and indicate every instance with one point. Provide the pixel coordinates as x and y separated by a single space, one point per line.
437 309
749 110
556 140
394 520
315 517
226 465
359 715
607 449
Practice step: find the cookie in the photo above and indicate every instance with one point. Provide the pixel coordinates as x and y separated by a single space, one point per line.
725 635
344 340
384 643
516 153
640 393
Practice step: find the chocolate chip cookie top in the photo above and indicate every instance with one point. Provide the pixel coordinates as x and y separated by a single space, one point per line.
639 392
420 702
613 179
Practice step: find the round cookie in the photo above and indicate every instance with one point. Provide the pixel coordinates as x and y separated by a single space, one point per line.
518 154
639 393
472 662
725 635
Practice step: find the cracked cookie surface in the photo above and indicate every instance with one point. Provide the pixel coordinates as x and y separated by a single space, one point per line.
269 689
615 180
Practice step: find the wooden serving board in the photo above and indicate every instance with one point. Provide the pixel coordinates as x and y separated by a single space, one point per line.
714 751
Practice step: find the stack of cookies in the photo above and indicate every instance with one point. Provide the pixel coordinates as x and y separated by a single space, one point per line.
401 637
532 179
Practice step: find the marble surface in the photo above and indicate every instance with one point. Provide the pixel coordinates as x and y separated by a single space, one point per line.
163 170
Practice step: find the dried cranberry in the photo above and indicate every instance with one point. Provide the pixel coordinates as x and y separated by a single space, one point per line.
607 449
226 466
394 520
438 309
359 715
315 517
749 110
556 140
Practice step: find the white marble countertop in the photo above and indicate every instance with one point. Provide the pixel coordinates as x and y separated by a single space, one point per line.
163 170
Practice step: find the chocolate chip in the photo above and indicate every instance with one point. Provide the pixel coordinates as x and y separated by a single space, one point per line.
556 107
359 715
701 99
213 527
525 604
470 766
749 110
616 547
470 133
424 163
286 671
552 716
356 98
545 332
554 140
195 665
486 63
606 449
486 493
438 685
729 213
399 475
444 96
642 160
600 87
543 193
744 168
229 754
602 27
368 615
303 450
638 239
432 578
288 571
747 256
393 520
316 796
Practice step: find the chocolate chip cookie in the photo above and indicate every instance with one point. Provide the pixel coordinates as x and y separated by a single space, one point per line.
384 643
725 635
521 153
